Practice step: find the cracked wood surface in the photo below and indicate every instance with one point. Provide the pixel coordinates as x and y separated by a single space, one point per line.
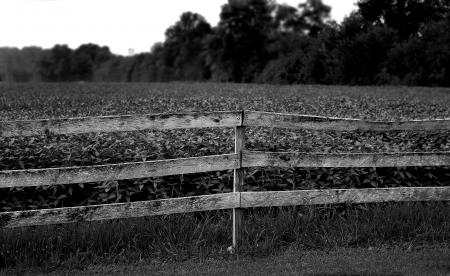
335 196
119 210
332 160
98 173
120 123
268 119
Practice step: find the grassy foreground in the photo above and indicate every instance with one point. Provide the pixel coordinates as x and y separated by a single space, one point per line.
207 235
428 260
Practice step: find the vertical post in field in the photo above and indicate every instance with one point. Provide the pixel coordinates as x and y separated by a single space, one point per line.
238 184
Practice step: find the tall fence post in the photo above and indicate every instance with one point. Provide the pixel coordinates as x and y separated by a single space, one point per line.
238 183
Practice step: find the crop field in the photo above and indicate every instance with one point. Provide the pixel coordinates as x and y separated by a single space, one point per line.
43 101
74 100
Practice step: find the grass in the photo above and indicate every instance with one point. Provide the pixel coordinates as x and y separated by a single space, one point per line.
377 261
208 234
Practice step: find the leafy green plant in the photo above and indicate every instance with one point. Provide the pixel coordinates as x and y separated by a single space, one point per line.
26 101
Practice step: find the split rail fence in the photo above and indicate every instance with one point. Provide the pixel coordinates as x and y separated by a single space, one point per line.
238 161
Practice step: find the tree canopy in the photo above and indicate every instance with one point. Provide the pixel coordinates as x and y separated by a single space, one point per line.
383 42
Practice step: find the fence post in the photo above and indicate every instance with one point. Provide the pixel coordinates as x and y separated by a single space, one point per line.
238 183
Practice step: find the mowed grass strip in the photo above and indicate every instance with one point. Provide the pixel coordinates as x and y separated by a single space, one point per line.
422 261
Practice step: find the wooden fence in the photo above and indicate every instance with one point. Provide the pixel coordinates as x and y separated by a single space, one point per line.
238 161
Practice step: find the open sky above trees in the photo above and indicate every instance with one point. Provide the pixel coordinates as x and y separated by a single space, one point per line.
119 24
395 42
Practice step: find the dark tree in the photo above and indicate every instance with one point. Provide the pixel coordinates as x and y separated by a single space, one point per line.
55 64
299 55
86 59
20 65
286 18
405 16
313 16
361 51
238 50
384 42
183 47
423 60
309 18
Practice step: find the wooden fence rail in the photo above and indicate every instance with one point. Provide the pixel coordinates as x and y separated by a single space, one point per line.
119 210
237 161
120 123
233 200
343 160
267 119
98 173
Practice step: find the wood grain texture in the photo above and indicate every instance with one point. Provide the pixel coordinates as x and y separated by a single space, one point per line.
334 196
238 181
119 210
70 175
267 119
238 184
288 160
120 123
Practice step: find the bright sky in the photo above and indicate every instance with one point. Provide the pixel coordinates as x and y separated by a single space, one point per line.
119 24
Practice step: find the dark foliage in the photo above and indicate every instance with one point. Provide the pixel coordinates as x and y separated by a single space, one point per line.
383 42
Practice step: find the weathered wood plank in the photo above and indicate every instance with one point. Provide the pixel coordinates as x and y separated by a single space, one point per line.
70 175
119 210
238 184
120 123
335 196
292 159
267 119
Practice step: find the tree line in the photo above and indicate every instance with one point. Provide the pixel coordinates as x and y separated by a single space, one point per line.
405 42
